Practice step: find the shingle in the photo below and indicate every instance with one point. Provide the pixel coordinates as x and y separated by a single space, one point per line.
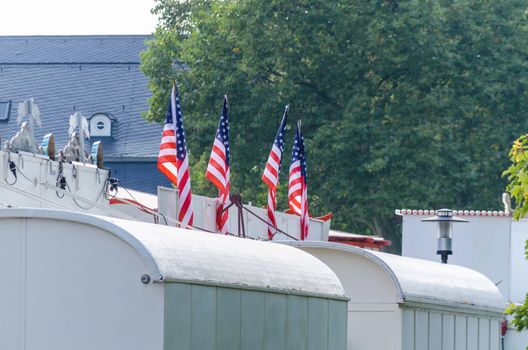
92 74
119 90
71 49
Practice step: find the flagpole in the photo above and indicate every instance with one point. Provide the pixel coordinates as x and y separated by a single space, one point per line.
299 127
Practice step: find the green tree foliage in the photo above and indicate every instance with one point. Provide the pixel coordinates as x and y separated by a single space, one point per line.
517 175
404 103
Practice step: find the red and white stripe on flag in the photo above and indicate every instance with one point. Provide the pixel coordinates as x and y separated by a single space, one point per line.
271 174
167 154
173 160
271 171
185 209
297 184
218 170
295 187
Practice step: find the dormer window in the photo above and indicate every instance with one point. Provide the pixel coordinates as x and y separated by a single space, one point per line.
100 125
5 110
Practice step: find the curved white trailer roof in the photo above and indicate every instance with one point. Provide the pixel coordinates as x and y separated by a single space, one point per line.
425 281
178 255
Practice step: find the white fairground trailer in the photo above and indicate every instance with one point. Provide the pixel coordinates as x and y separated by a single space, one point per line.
399 303
77 281
30 180
490 242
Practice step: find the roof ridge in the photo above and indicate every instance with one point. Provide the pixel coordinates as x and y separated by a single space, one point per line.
88 63
402 212
82 36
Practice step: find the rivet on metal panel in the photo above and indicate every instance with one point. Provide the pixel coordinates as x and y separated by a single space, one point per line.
145 279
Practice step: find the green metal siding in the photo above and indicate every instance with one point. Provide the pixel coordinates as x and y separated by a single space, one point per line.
228 307
337 324
203 317
274 321
317 324
199 317
297 323
424 329
178 315
252 334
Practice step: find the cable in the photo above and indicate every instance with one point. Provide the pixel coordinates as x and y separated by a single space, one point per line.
61 181
77 203
63 185
164 218
70 194
267 223
12 167
127 191
112 185
19 170
31 195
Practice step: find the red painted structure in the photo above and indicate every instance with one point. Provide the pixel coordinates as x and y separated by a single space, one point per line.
362 241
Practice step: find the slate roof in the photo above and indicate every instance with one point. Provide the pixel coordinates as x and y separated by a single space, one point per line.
92 74
72 49
140 176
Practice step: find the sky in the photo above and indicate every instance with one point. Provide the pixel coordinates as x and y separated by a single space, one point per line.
76 17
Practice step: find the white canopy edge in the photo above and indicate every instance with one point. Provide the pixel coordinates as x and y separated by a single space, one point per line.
178 255
423 281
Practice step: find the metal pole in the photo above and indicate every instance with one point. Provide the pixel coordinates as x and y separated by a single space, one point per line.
31 123
81 137
299 126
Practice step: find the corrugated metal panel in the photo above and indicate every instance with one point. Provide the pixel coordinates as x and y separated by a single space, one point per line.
460 332
228 318
274 322
472 333
495 335
203 317
421 335
252 333
435 331
484 334
408 329
318 324
448 332
296 323
177 317
337 325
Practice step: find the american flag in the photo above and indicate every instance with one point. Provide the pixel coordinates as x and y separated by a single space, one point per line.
271 173
297 187
218 168
173 160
